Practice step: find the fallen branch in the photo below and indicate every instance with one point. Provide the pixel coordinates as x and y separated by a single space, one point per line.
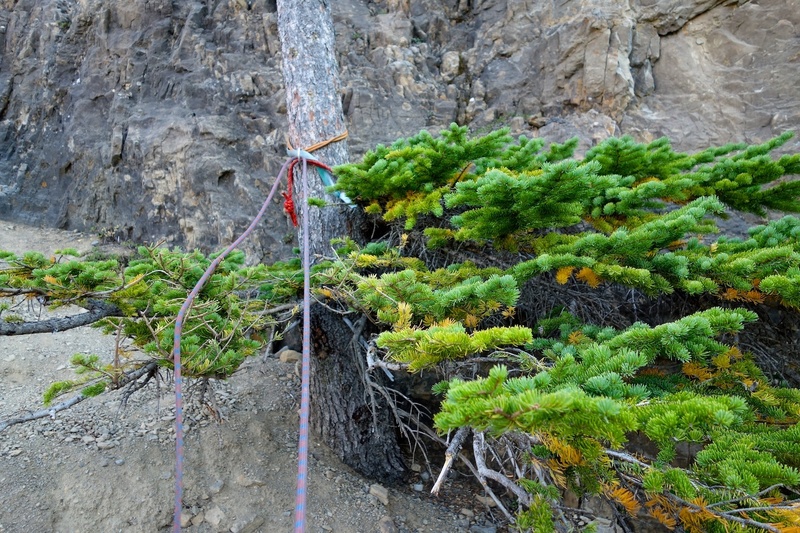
50 411
97 310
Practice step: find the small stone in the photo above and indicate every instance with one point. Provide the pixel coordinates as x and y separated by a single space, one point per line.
416 467
486 500
248 524
419 487
104 462
119 462
380 492
386 525
466 512
14 453
198 518
87 439
214 516
424 475
186 518
483 529
106 445
290 356
216 486
247 481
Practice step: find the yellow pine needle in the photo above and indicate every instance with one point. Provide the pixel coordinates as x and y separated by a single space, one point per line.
576 337
694 370
734 353
563 274
327 293
692 520
557 472
625 498
568 455
493 305
52 281
662 516
404 314
722 360
588 276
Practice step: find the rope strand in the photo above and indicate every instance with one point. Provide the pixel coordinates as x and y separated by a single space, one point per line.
302 447
302 472
176 350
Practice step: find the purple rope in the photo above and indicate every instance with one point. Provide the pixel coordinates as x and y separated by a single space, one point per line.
302 448
176 348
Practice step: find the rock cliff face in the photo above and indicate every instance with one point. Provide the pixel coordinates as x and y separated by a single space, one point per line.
158 119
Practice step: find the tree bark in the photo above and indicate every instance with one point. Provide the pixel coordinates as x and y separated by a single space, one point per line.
314 108
357 424
354 423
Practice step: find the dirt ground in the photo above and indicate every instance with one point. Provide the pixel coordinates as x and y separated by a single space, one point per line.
100 468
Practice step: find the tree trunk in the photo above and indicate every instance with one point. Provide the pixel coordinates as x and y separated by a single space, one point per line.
343 413
346 415
314 107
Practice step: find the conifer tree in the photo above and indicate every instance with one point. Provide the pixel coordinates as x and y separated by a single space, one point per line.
603 408
628 214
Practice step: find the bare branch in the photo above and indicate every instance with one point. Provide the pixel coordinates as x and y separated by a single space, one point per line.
97 310
50 411
8 291
479 446
452 451
484 472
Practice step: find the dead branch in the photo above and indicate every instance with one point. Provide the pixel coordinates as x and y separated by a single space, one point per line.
49 411
484 472
452 451
96 310
7 291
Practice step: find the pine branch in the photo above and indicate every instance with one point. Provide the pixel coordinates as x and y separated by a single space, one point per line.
96 310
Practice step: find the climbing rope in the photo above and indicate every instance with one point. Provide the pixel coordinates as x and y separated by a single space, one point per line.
302 445
302 469
176 350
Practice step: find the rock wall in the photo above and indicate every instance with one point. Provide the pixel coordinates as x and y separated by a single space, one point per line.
152 119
